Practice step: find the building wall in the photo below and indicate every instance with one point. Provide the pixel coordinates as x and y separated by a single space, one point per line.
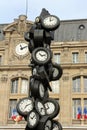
14 66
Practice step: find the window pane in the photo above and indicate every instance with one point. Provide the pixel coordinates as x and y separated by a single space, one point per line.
85 57
12 106
0 60
85 84
85 102
55 86
85 108
24 86
76 105
56 58
14 87
75 57
76 84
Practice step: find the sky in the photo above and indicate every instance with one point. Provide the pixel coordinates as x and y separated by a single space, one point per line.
64 9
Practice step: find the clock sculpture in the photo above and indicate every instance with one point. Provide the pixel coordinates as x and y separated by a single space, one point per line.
38 109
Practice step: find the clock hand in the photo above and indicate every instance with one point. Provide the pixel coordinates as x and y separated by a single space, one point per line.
20 46
32 117
23 47
41 109
27 105
42 54
47 126
47 107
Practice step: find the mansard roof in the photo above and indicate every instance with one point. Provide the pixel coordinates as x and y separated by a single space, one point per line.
69 30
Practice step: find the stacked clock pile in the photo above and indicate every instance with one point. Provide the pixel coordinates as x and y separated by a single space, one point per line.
38 109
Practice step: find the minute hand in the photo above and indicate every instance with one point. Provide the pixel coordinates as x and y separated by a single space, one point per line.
23 47
42 54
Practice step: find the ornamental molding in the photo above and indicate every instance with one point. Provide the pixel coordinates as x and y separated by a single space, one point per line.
19 26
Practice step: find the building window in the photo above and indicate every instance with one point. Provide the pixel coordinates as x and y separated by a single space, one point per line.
19 85
85 106
75 107
24 86
14 86
75 57
0 59
81 27
12 106
56 58
76 84
79 108
85 83
85 57
55 86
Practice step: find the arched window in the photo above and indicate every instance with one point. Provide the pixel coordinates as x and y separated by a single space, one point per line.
19 85
14 86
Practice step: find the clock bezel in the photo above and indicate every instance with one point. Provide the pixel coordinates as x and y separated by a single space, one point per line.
57 107
52 27
42 122
54 122
39 62
37 120
37 109
60 72
35 88
18 106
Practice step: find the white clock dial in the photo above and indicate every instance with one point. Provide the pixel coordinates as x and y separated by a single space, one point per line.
21 49
24 106
41 108
50 107
55 72
50 22
32 119
48 125
41 55
41 90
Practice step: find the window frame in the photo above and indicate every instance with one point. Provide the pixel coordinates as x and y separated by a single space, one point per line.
75 57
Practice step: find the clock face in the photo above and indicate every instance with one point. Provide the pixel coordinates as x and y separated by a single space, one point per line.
56 125
44 123
32 119
41 90
50 22
41 55
21 49
57 72
37 88
24 106
48 125
52 107
40 107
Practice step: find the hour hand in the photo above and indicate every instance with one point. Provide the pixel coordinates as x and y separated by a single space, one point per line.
42 54
22 47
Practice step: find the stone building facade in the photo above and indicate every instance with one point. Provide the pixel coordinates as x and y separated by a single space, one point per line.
69 50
